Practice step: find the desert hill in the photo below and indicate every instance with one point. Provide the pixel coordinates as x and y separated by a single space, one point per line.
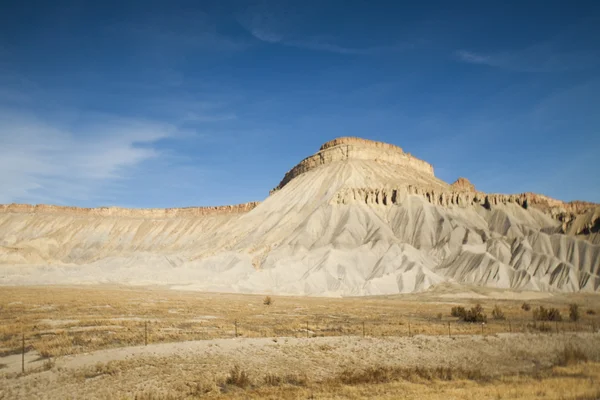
356 218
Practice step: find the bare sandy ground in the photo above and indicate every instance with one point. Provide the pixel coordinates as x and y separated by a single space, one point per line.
169 367
93 336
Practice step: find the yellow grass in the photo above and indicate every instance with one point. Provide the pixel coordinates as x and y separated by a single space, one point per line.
70 320
577 382
574 383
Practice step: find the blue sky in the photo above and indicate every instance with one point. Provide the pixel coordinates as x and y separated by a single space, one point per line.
170 104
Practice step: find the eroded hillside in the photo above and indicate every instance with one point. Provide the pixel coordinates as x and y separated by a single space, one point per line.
357 218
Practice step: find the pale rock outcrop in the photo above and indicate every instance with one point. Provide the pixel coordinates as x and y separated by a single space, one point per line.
576 218
357 218
351 148
463 184
128 212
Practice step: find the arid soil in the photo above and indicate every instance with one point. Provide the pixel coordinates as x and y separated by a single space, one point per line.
173 369
88 342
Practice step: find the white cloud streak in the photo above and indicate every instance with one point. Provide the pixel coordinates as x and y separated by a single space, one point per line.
544 57
42 161
260 28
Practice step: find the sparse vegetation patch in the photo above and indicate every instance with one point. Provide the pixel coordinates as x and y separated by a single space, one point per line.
497 313
574 312
287 379
571 355
475 314
238 377
546 314
384 374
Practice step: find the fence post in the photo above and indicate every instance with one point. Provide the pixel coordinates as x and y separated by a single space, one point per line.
509 327
409 335
145 333
556 327
235 323
307 329
363 329
23 352
482 328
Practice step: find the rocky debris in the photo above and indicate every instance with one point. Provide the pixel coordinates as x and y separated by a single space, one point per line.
128 212
463 184
347 148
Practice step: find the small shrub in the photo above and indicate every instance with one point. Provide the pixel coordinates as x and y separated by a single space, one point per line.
546 314
571 355
440 316
459 312
272 380
268 301
199 389
497 313
574 312
525 307
475 314
48 364
590 312
238 377
92 371
554 315
289 379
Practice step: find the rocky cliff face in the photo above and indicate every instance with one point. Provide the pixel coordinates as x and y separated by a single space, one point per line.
356 141
463 184
565 213
351 148
128 212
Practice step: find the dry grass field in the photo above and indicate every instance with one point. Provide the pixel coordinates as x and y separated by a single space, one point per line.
88 342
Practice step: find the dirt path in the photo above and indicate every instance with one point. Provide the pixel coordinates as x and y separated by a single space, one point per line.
171 366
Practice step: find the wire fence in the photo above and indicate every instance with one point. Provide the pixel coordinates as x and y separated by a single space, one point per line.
96 335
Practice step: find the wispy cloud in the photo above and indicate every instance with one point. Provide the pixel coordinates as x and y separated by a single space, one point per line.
261 27
535 59
565 52
53 150
199 40
474 58
173 33
182 108
41 160
198 117
325 45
